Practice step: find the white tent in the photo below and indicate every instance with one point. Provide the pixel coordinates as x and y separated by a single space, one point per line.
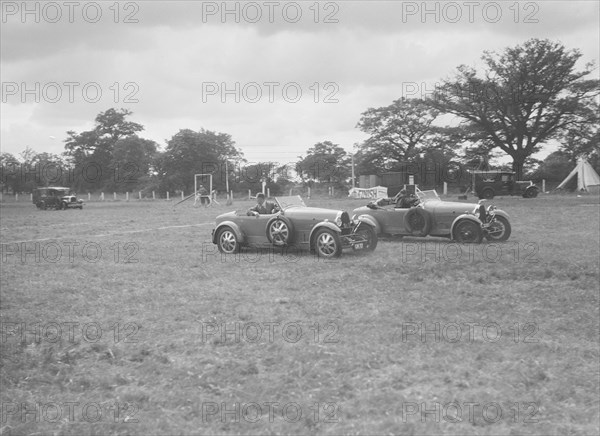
587 179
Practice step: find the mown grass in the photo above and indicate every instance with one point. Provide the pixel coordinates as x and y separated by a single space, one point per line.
366 367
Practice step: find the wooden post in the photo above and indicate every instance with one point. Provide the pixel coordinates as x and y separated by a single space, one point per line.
182 195
17 197
309 192
167 195
291 189
249 194
114 195
30 197
127 196
102 196
543 185
89 196
445 188
153 196
268 192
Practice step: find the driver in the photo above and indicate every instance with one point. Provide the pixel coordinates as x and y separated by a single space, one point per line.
263 207
402 200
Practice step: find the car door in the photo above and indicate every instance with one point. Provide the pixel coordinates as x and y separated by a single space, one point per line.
255 228
391 219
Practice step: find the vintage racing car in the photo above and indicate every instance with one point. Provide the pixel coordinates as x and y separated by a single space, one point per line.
324 231
430 215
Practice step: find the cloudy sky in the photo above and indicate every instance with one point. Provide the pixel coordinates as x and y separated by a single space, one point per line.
277 76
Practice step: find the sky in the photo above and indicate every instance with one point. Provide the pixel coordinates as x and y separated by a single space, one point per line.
277 76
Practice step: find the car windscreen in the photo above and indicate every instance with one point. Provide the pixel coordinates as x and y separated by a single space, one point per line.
291 200
428 195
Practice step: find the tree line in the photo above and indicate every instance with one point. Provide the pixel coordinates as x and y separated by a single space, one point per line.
520 99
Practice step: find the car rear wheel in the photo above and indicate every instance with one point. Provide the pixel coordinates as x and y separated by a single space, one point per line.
468 231
328 244
498 230
370 236
227 241
530 193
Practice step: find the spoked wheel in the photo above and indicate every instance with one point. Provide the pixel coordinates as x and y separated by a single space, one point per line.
498 230
227 241
328 244
279 233
468 232
370 236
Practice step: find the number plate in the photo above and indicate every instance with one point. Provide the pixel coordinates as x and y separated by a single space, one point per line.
359 246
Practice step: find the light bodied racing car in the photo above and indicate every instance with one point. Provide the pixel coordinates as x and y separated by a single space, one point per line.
430 215
325 232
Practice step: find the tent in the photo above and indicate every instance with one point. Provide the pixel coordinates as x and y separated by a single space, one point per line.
587 179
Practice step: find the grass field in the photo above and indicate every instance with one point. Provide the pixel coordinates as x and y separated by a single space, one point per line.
123 319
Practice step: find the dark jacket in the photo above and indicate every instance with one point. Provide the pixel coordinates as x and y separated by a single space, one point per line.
267 207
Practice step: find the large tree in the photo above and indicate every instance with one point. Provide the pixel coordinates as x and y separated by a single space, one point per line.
189 153
525 96
325 162
131 163
90 152
398 133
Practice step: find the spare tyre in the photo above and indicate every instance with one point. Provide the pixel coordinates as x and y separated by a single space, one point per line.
417 221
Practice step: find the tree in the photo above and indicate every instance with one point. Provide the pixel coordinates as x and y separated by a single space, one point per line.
325 162
399 132
189 153
10 178
94 148
527 95
582 138
131 163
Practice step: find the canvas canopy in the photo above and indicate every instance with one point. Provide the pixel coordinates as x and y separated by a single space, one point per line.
587 179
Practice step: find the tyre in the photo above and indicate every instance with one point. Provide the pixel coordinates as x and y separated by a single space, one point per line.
530 193
328 244
467 231
498 230
418 222
488 193
370 235
279 232
227 241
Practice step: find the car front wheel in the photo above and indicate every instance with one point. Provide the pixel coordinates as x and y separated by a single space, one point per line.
468 232
328 244
279 232
498 230
488 194
227 241
369 234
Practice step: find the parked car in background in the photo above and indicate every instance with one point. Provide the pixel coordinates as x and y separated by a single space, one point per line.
323 231
430 215
488 184
57 198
